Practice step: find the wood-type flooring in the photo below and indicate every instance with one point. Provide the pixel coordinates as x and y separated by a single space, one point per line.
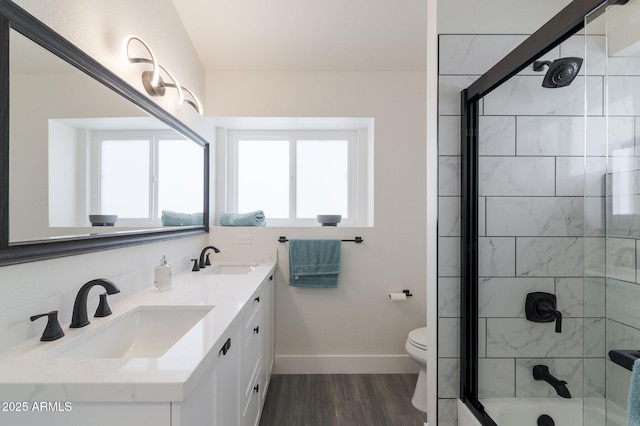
341 400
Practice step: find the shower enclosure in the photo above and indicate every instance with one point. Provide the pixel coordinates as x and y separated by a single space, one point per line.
550 222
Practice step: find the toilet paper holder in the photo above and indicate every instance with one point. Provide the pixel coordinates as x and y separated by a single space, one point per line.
399 297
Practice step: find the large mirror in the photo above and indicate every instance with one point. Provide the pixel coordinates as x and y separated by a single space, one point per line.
93 163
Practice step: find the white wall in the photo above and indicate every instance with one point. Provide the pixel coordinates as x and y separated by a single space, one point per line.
357 318
98 28
495 16
431 265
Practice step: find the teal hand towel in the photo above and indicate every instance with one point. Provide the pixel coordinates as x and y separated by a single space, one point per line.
255 218
314 263
633 406
171 218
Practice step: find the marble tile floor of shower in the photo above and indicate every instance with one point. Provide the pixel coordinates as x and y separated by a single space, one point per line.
341 400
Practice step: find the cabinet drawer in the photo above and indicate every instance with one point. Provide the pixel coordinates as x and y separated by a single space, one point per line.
254 307
253 328
251 359
251 411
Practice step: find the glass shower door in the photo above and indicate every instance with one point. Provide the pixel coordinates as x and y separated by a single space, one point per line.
532 241
551 222
611 287
595 166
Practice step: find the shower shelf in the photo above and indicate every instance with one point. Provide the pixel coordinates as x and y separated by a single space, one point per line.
624 357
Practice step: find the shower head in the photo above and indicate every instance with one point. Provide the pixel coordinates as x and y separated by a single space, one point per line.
561 72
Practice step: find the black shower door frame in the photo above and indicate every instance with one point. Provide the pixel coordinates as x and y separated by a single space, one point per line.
562 26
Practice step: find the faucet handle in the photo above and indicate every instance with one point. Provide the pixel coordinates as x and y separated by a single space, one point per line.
558 315
196 267
207 262
103 307
52 331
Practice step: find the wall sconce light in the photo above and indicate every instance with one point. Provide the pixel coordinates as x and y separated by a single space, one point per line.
153 81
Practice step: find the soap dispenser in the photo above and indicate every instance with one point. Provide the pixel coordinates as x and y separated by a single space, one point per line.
162 275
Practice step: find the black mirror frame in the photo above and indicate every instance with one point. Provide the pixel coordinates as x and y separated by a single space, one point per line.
14 17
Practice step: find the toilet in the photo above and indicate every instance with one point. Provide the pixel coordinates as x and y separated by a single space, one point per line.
416 347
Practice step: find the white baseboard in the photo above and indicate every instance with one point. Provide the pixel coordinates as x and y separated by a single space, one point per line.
344 364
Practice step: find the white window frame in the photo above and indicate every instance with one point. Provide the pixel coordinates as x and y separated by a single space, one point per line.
154 137
351 135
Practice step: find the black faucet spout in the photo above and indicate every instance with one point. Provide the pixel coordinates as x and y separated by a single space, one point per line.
202 263
79 318
541 372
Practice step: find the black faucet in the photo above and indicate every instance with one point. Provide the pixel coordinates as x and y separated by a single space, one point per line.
79 318
541 372
204 263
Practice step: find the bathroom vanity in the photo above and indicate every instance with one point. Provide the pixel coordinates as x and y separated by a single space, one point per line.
200 353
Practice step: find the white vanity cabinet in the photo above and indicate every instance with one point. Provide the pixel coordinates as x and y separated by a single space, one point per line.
257 358
227 384
223 384
232 390
215 400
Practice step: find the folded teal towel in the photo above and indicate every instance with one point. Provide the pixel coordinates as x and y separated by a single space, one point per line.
243 219
314 263
171 218
633 406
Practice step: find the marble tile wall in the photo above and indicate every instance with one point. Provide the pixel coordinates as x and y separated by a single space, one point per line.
541 224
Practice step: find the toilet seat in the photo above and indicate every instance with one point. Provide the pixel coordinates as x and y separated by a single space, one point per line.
418 338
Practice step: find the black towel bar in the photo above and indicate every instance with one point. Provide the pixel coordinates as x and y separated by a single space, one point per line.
356 240
624 357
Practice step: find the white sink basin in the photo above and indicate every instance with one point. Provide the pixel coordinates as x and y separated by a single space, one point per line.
232 268
145 332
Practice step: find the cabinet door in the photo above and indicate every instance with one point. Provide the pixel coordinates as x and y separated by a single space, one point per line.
253 408
215 400
227 380
198 408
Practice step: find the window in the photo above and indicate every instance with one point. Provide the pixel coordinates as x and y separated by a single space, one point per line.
140 173
124 164
294 175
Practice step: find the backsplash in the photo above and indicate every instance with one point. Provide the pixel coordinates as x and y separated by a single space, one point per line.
38 287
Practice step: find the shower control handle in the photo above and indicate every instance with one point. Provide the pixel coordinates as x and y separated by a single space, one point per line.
548 309
542 307
558 322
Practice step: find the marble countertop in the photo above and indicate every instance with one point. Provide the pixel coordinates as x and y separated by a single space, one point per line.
28 372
